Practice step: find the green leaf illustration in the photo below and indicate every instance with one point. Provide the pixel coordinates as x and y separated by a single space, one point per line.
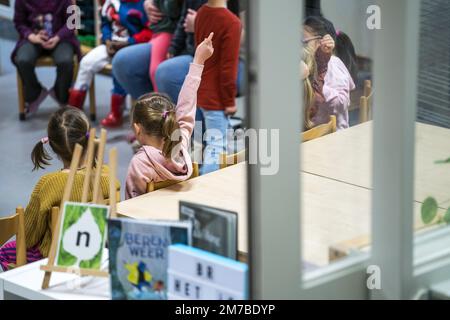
429 210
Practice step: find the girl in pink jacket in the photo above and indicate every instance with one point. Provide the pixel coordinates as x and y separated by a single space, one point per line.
340 75
164 131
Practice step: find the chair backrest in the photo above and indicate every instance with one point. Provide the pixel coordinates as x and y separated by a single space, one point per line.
15 226
227 160
365 104
153 186
320 130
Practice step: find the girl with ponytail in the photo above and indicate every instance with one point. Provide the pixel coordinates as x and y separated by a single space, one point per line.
67 127
164 131
341 73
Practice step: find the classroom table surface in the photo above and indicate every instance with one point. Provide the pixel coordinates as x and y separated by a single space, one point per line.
336 188
333 211
346 156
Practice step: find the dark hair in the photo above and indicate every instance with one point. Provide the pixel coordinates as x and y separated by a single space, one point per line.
344 49
66 127
155 112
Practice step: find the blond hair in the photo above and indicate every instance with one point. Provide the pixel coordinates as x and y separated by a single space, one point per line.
308 90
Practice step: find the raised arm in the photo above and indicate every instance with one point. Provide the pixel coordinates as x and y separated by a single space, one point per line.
187 101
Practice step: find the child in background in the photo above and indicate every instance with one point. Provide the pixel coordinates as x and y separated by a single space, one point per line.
124 23
162 33
338 80
314 68
67 127
164 131
217 92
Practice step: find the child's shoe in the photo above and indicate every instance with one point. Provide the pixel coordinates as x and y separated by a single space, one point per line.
114 118
76 98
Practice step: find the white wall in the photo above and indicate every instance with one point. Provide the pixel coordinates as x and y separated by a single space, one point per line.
350 17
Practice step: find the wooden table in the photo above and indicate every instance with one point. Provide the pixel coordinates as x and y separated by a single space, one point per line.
226 188
336 190
346 156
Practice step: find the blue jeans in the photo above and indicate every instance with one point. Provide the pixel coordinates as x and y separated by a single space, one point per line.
216 123
131 69
171 73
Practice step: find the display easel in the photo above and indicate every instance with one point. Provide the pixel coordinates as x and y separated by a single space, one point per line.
97 199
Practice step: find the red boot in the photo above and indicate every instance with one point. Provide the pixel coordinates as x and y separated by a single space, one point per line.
76 98
114 118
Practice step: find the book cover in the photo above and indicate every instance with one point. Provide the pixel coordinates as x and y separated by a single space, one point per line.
213 229
138 256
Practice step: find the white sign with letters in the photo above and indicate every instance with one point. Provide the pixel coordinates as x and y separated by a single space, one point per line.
195 274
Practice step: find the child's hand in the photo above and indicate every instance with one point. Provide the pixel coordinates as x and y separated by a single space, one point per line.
204 50
327 44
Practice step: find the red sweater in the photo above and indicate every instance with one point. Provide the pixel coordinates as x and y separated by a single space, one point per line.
218 87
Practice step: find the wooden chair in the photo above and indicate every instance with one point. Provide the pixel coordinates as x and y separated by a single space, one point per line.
365 105
227 160
320 130
15 226
44 61
153 186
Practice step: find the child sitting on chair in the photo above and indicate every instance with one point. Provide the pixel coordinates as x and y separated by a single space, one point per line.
164 131
67 127
124 23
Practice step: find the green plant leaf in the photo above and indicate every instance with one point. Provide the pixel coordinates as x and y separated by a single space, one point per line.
447 216
443 161
429 210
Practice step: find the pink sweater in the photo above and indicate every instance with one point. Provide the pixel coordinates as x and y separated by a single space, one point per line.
336 91
149 164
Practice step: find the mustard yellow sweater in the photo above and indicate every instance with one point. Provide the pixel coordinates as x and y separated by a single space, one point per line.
47 194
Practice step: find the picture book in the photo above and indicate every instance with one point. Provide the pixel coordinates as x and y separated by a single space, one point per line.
213 229
138 256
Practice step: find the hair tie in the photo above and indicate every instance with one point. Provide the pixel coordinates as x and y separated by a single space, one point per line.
87 135
44 140
166 113
338 32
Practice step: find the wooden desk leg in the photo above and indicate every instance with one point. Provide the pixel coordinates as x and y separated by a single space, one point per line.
21 98
92 106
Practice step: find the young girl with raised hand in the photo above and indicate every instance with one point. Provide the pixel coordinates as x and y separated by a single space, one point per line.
164 131
67 127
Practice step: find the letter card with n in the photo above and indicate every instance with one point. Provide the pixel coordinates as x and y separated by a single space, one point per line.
83 232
